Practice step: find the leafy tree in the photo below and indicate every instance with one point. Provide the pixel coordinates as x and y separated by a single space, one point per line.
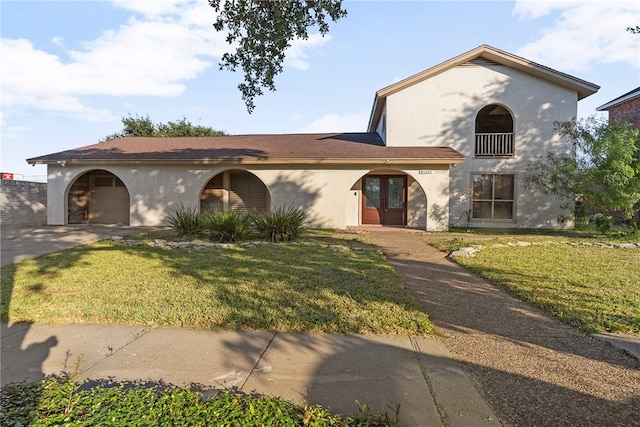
605 169
262 30
144 126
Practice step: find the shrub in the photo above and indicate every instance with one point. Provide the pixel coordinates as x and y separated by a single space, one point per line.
184 220
55 402
284 224
603 222
225 225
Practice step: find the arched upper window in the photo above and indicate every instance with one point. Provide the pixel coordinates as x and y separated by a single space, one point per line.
494 132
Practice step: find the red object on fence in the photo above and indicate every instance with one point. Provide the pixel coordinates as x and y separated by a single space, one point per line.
7 175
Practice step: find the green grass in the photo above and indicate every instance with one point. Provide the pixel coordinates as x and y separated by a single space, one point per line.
594 288
282 287
56 402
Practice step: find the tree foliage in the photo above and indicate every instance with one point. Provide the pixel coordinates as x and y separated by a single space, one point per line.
262 30
144 126
605 169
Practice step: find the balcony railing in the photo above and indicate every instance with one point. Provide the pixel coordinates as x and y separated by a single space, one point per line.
494 144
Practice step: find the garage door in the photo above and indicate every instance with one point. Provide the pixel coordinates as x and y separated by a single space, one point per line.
109 201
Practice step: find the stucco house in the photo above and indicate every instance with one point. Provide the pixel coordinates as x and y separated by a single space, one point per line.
443 147
624 107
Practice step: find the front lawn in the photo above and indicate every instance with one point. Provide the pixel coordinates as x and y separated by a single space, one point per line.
593 287
278 287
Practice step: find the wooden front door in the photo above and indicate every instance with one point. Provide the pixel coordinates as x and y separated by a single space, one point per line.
384 199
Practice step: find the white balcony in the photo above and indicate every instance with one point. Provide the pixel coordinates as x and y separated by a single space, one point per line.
494 145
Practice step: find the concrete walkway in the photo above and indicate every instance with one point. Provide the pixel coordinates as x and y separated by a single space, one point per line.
533 369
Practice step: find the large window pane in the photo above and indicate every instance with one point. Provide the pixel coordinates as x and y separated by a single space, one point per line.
483 187
504 187
503 210
396 192
482 210
372 192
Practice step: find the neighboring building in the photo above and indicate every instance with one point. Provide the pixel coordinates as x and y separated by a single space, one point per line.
625 107
446 144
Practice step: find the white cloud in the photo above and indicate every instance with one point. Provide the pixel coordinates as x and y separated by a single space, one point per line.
532 9
12 132
584 33
356 122
151 8
155 52
153 56
296 54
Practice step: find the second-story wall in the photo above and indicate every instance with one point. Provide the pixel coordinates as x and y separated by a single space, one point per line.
442 111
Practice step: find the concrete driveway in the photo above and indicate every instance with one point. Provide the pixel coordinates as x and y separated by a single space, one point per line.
17 244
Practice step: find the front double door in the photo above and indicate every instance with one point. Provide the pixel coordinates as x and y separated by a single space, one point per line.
384 199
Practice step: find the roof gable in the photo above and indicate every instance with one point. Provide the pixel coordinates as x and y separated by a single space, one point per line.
481 54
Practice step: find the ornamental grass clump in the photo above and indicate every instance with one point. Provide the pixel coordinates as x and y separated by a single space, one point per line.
226 225
283 224
184 220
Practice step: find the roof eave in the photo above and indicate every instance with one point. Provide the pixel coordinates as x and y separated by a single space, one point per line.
619 100
283 161
375 112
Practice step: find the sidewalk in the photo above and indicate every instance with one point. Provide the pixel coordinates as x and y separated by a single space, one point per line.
531 368
332 370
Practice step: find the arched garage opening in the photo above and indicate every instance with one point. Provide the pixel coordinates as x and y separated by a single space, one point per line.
98 197
237 190
392 198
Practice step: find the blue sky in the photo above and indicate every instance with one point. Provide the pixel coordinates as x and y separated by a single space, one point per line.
72 69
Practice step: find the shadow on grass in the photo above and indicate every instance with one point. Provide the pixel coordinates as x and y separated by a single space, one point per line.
327 286
291 287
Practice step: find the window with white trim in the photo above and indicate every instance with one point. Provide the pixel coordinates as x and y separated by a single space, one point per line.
493 196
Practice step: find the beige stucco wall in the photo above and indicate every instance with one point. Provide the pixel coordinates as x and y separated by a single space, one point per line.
332 195
441 111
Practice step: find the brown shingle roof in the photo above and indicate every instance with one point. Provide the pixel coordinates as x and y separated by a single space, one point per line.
338 148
